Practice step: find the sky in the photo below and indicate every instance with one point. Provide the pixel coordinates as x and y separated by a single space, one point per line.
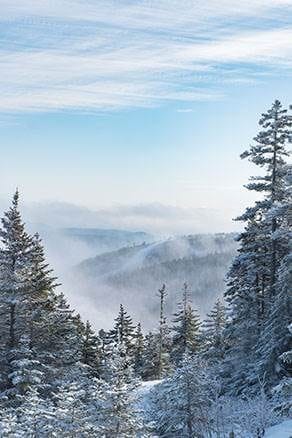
115 103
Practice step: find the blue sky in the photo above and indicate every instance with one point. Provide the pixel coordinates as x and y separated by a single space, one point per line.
124 102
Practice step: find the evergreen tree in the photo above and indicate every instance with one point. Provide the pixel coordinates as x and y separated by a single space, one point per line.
118 410
9 426
123 333
284 388
65 351
41 298
275 339
139 351
253 276
270 152
35 416
15 255
186 329
31 310
181 402
26 373
76 409
150 368
164 338
213 334
90 349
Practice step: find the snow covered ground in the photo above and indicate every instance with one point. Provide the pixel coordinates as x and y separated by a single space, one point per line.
282 430
143 393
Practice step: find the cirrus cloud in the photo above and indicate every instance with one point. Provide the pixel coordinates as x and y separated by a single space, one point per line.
108 55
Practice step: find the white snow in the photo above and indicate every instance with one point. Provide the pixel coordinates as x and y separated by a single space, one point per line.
282 430
143 393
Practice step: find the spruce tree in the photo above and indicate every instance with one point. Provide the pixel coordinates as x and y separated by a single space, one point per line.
253 277
119 417
77 407
186 329
274 339
15 255
284 388
123 333
90 349
139 351
164 336
213 334
182 401
150 368
26 371
270 152
35 416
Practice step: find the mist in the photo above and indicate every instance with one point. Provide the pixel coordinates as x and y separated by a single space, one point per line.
100 256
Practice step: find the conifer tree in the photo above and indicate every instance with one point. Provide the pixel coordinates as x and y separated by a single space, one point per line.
274 339
270 152
123 333
118 409
284 388
90 350
139 351
35 416
181 402
213 334
26 373
76 409
253 277
65 350
14 274
150 368
164 338
186 329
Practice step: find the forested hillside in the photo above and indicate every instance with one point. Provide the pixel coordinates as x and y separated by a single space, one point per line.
225 375
135 272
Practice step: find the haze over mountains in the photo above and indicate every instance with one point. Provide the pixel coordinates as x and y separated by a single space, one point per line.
154 218
133 274
98 264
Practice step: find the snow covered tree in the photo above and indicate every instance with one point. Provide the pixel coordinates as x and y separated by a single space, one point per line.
41 296
253 276
186 329
253 415
15 254
150 367
139 351
35 416
274 339
25 372
164 337
30 308
284 388
270 152
77 406
119 417
90 349
65 350
181 402
213 334
9 425
124 333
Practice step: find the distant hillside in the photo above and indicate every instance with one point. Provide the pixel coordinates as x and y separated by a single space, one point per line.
68 246
103 240
132 275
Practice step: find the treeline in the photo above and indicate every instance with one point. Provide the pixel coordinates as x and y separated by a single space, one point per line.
229 374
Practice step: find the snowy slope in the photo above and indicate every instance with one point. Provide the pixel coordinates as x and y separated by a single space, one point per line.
282 430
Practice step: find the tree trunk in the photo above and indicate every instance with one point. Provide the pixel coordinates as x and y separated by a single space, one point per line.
12 326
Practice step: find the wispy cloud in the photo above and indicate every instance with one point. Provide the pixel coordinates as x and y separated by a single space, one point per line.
112 54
